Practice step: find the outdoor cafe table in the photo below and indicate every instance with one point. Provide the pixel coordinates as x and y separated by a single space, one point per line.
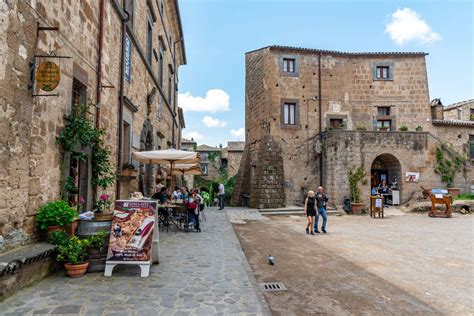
177 209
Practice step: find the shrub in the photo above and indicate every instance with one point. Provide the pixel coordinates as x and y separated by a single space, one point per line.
361 127
419 128
58 238
73 251
57 213
356 176
403 128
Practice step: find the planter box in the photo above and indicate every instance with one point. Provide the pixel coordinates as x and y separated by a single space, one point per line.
454 192
357 208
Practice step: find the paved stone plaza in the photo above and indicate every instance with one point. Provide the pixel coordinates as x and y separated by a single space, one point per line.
199 274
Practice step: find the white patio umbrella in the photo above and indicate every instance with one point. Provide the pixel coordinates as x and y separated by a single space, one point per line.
165 157
186 169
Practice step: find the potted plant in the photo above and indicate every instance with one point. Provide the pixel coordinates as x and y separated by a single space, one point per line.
361 127
128 170
403 128
355 178
419 128
383 128
55 216
73 252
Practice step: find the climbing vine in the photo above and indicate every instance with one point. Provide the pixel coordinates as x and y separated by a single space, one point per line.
447 167
80 130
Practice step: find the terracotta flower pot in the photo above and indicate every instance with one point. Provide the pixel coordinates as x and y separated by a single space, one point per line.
454 192
52 229
76 270
71 228
357 208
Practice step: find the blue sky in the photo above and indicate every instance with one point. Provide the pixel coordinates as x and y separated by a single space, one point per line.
219 32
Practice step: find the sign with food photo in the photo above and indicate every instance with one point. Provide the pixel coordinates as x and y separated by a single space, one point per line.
131 234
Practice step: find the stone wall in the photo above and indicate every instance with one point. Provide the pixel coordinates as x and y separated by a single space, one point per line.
414 152
267 190
30 160
233 162
461 112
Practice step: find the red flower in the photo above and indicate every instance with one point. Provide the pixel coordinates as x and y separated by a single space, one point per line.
104 197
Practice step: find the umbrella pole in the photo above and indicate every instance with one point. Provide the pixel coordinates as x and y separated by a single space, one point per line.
171 175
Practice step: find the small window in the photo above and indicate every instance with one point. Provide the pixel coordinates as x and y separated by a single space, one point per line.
289 113
471 117
204 169
384 125
160 106
383 110
161 66
471 146
127 144
289 65
149 37
383 72
79 94
336 123
170 88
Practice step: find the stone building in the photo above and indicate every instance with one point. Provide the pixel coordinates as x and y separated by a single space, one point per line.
216 160
211 161
233 156
124 66
328 112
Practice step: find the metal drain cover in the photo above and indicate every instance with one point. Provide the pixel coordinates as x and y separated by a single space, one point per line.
273 286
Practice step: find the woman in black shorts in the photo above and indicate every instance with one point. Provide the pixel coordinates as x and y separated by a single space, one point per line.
310 211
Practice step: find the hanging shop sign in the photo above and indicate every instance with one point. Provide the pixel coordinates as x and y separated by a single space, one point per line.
48 76
128 59
131 235
413 177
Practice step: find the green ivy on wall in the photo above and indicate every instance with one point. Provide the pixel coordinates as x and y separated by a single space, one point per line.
80 130
447 167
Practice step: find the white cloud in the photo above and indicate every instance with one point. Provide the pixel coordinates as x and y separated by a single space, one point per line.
212 122
194 135
407 25
239 133
216 100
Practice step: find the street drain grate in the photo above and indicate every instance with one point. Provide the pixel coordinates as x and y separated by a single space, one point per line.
273 287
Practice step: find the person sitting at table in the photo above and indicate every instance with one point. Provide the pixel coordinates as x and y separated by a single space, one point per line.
184 193
175 194
383 190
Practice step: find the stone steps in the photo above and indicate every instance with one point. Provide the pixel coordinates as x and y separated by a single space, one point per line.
296 211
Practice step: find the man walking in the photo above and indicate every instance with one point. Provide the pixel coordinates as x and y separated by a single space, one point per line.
221 195
321 203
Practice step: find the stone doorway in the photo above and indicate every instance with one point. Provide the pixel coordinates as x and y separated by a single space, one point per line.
146 177
385 167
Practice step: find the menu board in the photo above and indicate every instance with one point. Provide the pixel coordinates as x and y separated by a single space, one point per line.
131 234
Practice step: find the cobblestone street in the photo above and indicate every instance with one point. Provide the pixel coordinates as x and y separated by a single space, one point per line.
199 274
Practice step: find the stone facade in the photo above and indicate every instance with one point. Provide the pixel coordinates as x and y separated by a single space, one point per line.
31 172
463 111
235 151
211 161
307 99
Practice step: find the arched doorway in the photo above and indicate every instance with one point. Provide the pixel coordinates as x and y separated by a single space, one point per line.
386 167
146 178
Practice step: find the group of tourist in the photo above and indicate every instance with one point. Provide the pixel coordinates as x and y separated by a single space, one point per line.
315 205
192 199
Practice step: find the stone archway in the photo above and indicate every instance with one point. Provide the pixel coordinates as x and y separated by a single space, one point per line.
146 176
386 167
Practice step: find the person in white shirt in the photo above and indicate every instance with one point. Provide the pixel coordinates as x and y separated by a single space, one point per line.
175 194
221 195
